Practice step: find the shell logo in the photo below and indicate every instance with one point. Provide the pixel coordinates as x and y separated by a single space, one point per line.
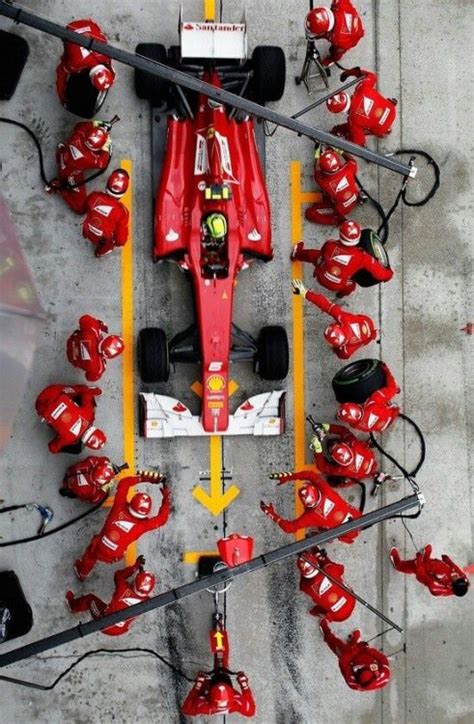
215 383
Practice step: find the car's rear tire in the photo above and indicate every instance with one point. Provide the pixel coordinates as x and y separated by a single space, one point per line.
14 52
148 86
153 355
273 354
358 380
370 242
82 98
269 73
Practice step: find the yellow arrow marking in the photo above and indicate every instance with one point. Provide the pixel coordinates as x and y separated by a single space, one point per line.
215 501
219 637
297 199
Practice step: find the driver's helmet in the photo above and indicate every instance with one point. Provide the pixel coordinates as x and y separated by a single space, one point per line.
215 227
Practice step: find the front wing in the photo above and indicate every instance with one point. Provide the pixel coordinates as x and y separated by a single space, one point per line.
163 417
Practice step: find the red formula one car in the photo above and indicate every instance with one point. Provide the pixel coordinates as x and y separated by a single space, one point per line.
212 217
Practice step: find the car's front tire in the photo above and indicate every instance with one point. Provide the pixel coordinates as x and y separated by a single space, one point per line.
153 355
272 359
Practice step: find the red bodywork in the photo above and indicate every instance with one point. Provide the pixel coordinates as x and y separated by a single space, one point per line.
212 151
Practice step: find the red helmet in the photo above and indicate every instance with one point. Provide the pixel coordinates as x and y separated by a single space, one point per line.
339 103
104 471
112 346
341 453
309 495
144 582
140 505
307 569
318 22
117 183
94 438
330 162
220 696
349 412
96 138
101 77
335 335
349 232
365 675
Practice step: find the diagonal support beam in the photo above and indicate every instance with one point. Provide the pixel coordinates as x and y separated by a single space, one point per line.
189 589
16 13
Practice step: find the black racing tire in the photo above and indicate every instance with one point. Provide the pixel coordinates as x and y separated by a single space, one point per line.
370 242
13 599
148 86
358 380
153 355
141 417
273 354
14 53
82 98
269 73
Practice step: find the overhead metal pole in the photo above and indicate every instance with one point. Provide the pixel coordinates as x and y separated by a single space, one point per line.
189 589
16 13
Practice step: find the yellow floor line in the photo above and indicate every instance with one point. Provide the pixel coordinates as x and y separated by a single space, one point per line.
209 10
128 377
297 199
192 557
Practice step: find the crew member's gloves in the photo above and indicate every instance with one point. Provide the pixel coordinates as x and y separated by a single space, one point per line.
242 679
356 72
299 287
107 146
315 444
318 149
280 475
140 562
269 510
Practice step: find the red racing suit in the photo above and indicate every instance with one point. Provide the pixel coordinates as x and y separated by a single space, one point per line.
377 412
364 464
359 329
335 264
124 596
121 528
106 222
330 511
76 59
81 479
370 112
197 702
356 655
436 574
68 410
331 602
83 347
346 33
340 194
73 159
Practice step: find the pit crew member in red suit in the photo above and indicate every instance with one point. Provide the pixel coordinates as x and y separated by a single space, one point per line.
349 333
88 149
106 222
127 593
376 414
323 506
442 577
125 523
330 601
345 457
89 480
88 348
341 25
339 260
70 411
214 694
368 111
363 667
335 174
76 59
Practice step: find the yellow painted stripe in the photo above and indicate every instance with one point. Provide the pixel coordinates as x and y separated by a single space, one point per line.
128 377
215 464
192 557
209 10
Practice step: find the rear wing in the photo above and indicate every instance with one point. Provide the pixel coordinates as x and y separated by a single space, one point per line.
213 40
